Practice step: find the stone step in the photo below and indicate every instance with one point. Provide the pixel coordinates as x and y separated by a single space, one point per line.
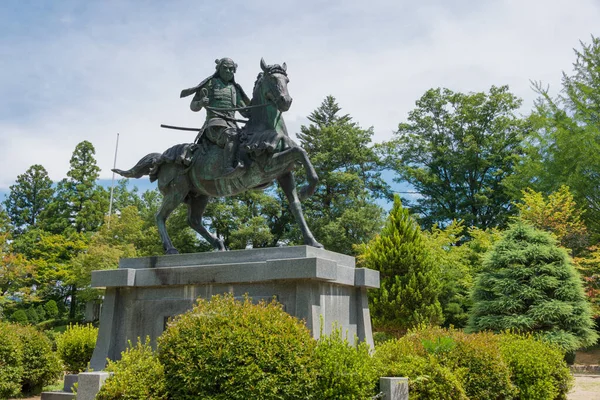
57 396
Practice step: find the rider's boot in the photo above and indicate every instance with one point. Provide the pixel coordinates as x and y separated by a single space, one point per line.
233 167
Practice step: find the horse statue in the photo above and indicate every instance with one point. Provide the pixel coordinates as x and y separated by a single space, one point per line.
267 151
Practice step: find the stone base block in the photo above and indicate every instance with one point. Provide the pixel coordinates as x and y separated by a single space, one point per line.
70 381
90 384
57 396
394 388
313 285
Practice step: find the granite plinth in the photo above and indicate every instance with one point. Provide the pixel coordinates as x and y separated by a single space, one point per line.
143 293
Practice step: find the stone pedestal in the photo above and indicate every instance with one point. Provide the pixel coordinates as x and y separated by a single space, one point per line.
312 284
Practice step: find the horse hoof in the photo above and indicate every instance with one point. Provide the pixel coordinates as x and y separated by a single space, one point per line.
317 245
172 251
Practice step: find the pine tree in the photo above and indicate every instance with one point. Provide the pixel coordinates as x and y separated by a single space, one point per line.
342 212
29 196
409 280
529 284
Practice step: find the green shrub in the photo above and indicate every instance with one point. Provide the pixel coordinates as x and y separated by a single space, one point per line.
137 375
487 375
41 313
345 371
32 315
427 378
75 347
226 349
538 369
474 359
11 365
41 365
51 309
20 317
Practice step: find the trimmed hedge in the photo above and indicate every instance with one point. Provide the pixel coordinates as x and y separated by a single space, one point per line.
11 364
227 349
137 375
538 368
345 371
27 361
41 365
75 347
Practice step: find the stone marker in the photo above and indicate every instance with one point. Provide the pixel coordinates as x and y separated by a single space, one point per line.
394 388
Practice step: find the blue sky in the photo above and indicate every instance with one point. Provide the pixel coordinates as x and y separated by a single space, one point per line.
74 70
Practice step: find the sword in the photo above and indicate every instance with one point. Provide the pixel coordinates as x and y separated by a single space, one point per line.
180 128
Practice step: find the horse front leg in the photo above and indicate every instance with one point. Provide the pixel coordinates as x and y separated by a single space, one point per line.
299 154
286 181
196 207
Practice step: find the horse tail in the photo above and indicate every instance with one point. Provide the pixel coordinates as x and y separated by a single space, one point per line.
143 167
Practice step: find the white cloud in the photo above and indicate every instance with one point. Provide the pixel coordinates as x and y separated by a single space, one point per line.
86 74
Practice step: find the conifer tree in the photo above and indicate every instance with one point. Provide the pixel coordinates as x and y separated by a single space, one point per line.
80 203
409 279
529 284
29 196
342 212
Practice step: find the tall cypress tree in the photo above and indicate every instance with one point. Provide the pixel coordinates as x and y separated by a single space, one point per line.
80 203
530 285
29 196
409 279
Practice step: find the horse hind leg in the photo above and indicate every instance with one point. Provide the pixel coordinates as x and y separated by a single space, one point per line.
288 185
173 194
196 207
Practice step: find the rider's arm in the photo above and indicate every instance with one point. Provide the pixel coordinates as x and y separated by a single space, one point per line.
200 98
196 104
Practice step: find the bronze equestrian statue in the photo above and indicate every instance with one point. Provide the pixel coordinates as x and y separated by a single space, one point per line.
224 160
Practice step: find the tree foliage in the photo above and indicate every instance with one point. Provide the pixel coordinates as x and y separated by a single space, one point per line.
408 295
456 274
557 214
29 196
342 212
530 285
457 149
564 147
80 203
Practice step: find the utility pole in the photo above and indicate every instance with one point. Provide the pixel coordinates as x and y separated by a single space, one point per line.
112 185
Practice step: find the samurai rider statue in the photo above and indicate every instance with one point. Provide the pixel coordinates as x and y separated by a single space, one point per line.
221 96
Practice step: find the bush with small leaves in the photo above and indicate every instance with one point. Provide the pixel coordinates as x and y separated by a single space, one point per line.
228 349
345 371
20 317
538 368
474 359
32 315
11 365
41 313
427 378
137 375
41 365
51 309
75 347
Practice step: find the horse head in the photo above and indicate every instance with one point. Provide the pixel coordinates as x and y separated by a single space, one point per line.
272 85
